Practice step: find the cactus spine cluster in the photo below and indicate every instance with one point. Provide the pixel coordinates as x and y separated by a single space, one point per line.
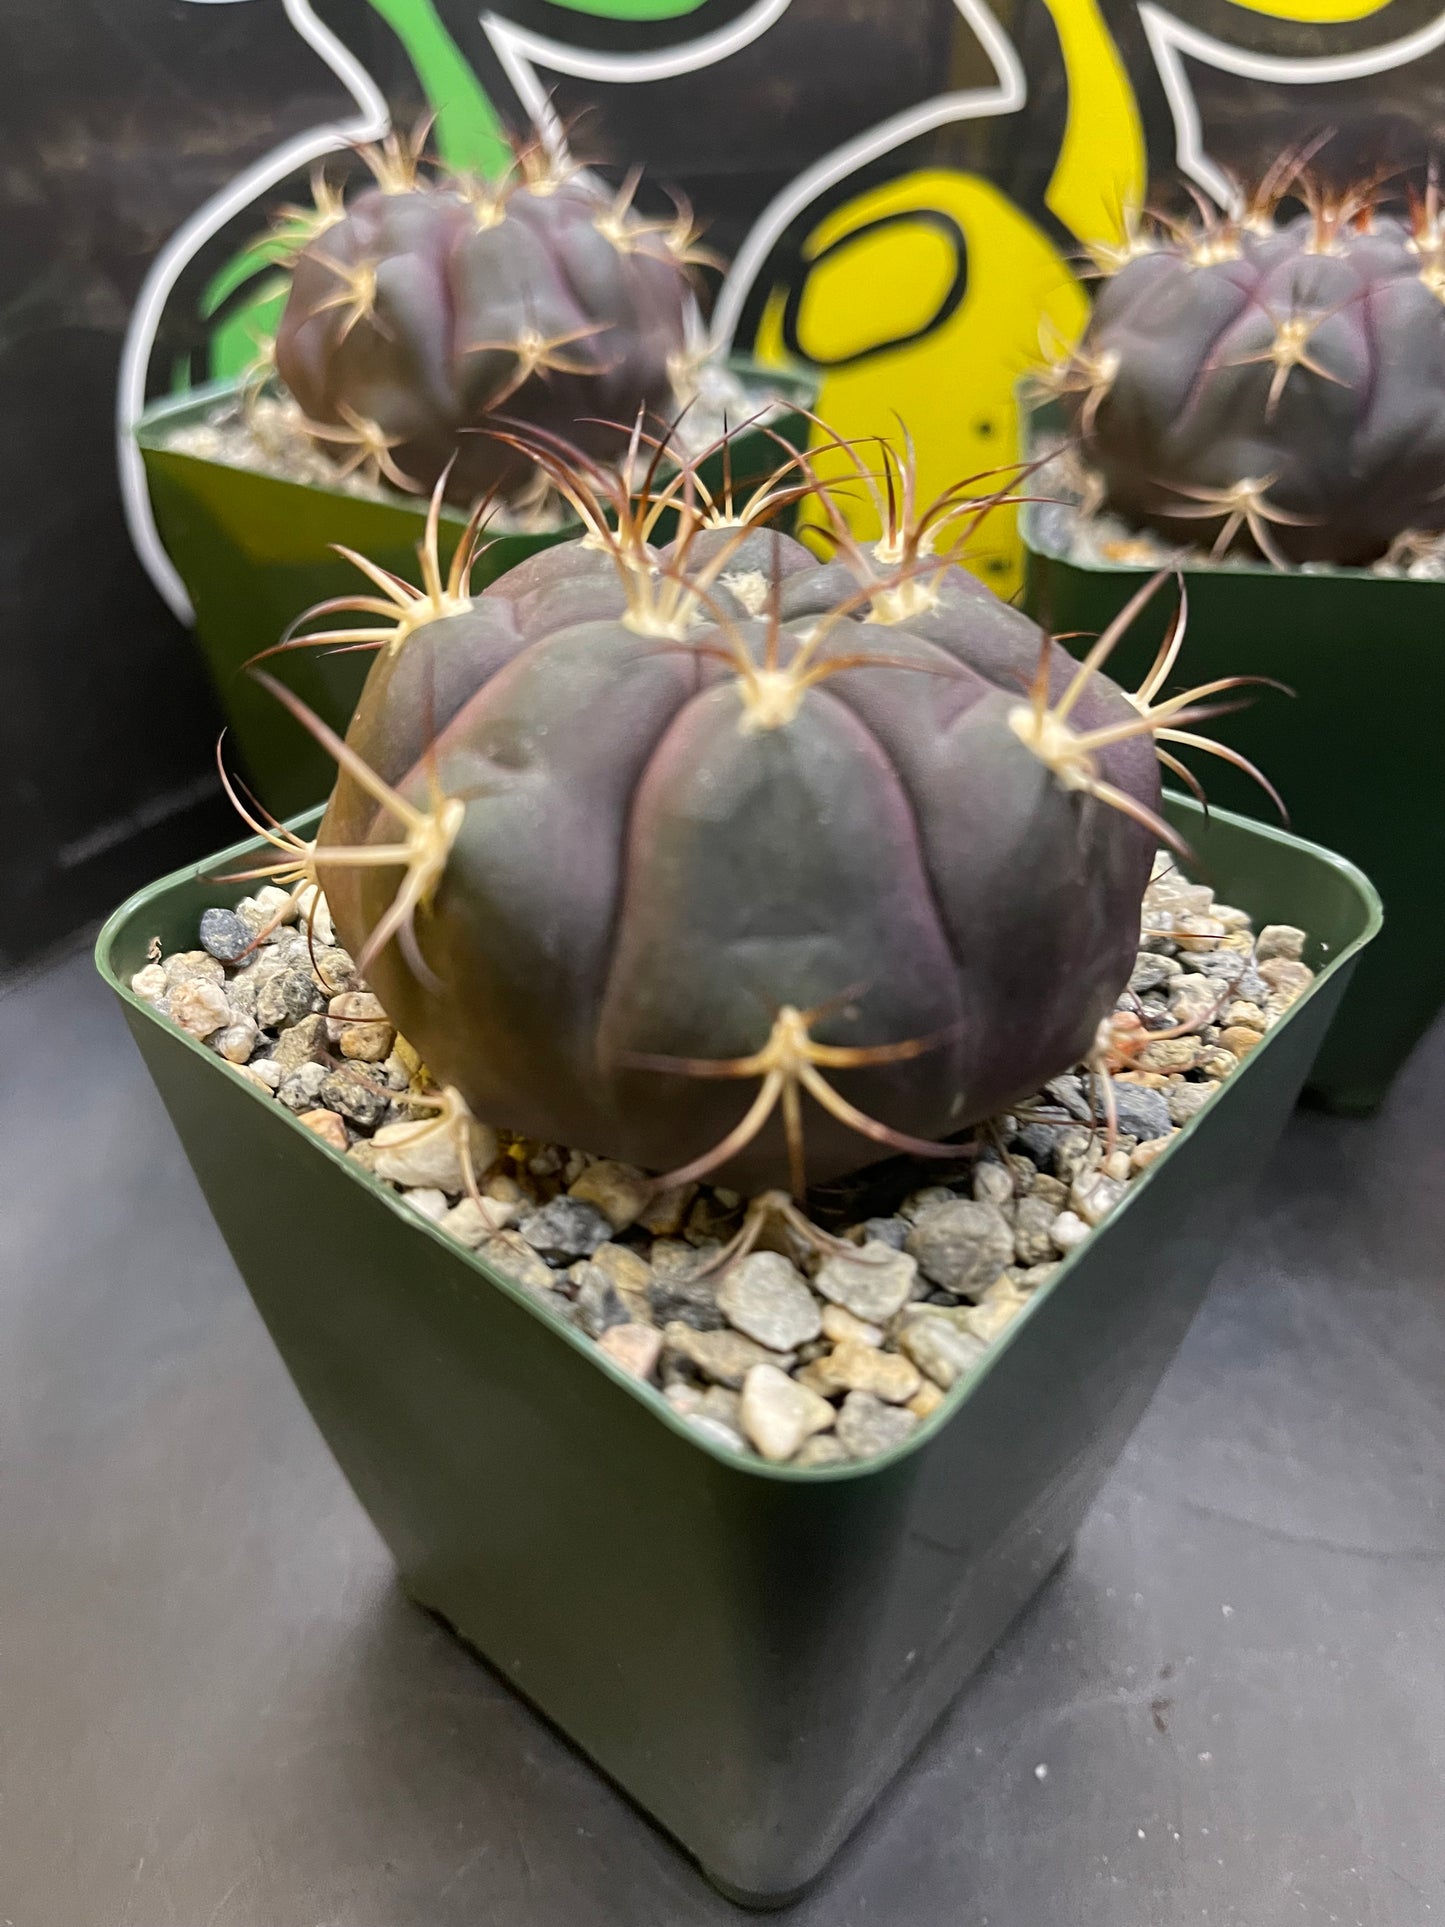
1271 386
685 855
429 307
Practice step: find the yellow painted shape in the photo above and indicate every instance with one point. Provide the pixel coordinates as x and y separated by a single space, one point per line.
1321 11
1103 170
862 295
954 388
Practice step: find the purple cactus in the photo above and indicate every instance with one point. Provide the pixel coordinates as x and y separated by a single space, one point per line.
424 310
681 856
1276 388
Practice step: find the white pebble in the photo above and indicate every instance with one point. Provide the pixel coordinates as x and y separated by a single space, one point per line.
429 1203
1068 1231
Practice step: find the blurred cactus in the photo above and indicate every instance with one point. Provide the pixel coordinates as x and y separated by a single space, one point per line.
426 308
1271 387
635 827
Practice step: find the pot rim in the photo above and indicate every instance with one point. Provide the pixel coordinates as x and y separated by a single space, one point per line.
649 1395
794 387
1035 416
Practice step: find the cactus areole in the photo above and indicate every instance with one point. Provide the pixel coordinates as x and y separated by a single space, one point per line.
1272 387
693 857
426 309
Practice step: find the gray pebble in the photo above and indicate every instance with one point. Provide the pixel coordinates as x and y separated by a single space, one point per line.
1068 1093
962 1245
883 1231
345 1094
300 1090
1142 1113
1038 1141
942 1349
1152 972
599 1306
932 1195
1032 1225
303 1042
866 1425
565 1229
224 935
680 1299
716 1432
873 1286
288 996
766 1298
1223 966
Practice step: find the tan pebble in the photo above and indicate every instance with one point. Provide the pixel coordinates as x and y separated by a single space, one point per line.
1147 1080
327 1126
355 1007
1115 1165
636 1348
816 1377
1284 940
822 1449
1216 1063
1242 1014
925 1400
237 1041
840 1326
1052 1190
1187 1100
995 1315
778 1414
515 1260
1168 1054
254 1077
199 1007
1143 1155
193 966
855 1367
726 1357
1239 941
667 1213
619 1191
992 1184
1198 933
366 1043
1286 978
1232 918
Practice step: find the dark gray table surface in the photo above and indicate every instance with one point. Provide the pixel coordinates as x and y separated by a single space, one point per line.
217 1711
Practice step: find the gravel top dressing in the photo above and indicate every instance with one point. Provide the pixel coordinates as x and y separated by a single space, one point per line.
804 1354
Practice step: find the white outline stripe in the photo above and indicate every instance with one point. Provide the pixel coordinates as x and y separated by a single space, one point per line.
517 49
1171 38
372 122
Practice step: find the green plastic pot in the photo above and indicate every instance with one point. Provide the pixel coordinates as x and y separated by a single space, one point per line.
255 552
750 1652
1351 753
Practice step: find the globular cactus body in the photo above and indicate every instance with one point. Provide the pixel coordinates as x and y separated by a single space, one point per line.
424 311
725 847
1279 389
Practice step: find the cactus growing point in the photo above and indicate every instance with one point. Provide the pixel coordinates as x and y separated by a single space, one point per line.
695 841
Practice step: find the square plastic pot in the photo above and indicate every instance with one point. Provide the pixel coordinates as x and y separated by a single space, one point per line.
1352 753
255 552
750 1652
